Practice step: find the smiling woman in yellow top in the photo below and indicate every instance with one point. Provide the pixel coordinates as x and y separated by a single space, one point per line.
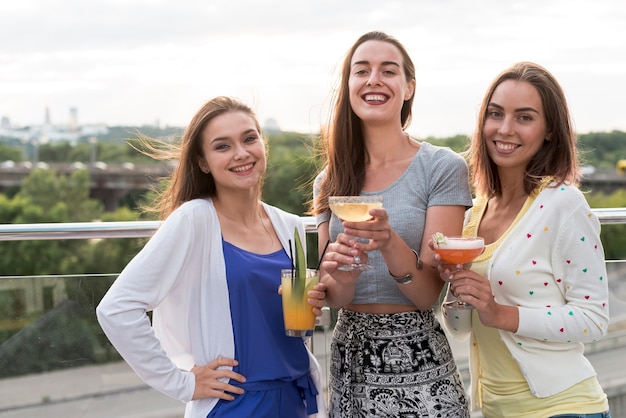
540 287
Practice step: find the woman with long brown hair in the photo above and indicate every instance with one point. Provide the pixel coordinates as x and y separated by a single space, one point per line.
390 357
211 274
540 287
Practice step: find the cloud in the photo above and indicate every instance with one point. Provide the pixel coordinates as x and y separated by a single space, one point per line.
136 61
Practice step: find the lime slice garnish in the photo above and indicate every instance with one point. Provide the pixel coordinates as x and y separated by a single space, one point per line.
439 238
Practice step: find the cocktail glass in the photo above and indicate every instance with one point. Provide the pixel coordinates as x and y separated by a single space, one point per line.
458 250
354 209
297 312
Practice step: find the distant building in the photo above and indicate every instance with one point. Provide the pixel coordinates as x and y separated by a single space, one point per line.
271 125
49 132
73 122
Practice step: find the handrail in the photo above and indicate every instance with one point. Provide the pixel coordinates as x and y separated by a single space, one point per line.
77 230
610 216
141 229
90 230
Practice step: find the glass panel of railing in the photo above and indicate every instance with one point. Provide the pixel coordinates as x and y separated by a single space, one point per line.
55 359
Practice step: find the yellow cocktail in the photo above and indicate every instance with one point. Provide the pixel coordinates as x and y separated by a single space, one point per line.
297 312
354 209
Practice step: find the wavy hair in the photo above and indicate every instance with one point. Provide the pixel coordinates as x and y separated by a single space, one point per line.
341 145
558 157
187 181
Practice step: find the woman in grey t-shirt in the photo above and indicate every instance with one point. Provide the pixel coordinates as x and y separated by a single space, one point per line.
390 356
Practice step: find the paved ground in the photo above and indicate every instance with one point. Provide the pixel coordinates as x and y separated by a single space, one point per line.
113 390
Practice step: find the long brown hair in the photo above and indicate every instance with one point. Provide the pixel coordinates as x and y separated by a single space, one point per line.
341 146
188 181
558 157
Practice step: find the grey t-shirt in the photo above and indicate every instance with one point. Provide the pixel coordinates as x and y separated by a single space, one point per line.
437 176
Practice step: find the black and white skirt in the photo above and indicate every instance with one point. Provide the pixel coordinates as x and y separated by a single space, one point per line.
393 365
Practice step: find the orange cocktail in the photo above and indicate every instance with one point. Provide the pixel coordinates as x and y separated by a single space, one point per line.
297 312
459 250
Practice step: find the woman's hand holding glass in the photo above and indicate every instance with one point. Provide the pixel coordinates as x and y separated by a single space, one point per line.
460 250
374 235
354 212
340 253
450 272
469 287
317 297
475 290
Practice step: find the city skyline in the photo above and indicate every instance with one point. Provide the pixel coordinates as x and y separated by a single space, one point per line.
134 63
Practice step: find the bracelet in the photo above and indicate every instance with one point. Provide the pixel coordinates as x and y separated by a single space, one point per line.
409 277
418 262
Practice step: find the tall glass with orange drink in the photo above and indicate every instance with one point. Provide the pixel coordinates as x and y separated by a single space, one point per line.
297 312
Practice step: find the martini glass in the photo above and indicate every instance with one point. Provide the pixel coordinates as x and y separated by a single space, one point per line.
354 209
458 250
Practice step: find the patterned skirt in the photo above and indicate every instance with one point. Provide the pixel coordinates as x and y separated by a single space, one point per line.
393 365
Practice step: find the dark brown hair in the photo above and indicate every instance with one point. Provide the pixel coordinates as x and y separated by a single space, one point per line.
558 157
342 146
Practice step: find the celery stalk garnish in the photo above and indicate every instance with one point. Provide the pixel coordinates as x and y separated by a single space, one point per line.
299 277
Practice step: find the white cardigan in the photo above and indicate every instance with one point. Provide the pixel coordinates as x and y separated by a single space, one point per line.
181 275
551 266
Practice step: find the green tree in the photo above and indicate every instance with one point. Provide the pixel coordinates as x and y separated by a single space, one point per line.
61 198
46 198
55 152
458 143
603 149
613 236
110 256
290 171
11 153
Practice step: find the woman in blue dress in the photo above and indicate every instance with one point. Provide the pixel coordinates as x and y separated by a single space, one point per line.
210 274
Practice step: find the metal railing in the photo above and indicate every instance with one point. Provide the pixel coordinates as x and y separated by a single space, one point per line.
89 230
138 229
144 229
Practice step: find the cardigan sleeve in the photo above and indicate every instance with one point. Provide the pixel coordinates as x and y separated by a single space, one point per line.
580 273
140 287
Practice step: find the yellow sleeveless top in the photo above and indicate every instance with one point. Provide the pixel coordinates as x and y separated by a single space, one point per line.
500 386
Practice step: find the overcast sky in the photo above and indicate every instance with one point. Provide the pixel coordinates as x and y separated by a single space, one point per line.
135 62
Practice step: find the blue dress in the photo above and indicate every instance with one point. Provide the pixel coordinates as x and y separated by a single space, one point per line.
276 367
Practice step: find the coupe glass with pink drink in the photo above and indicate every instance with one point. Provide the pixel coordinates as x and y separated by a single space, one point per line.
458 250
